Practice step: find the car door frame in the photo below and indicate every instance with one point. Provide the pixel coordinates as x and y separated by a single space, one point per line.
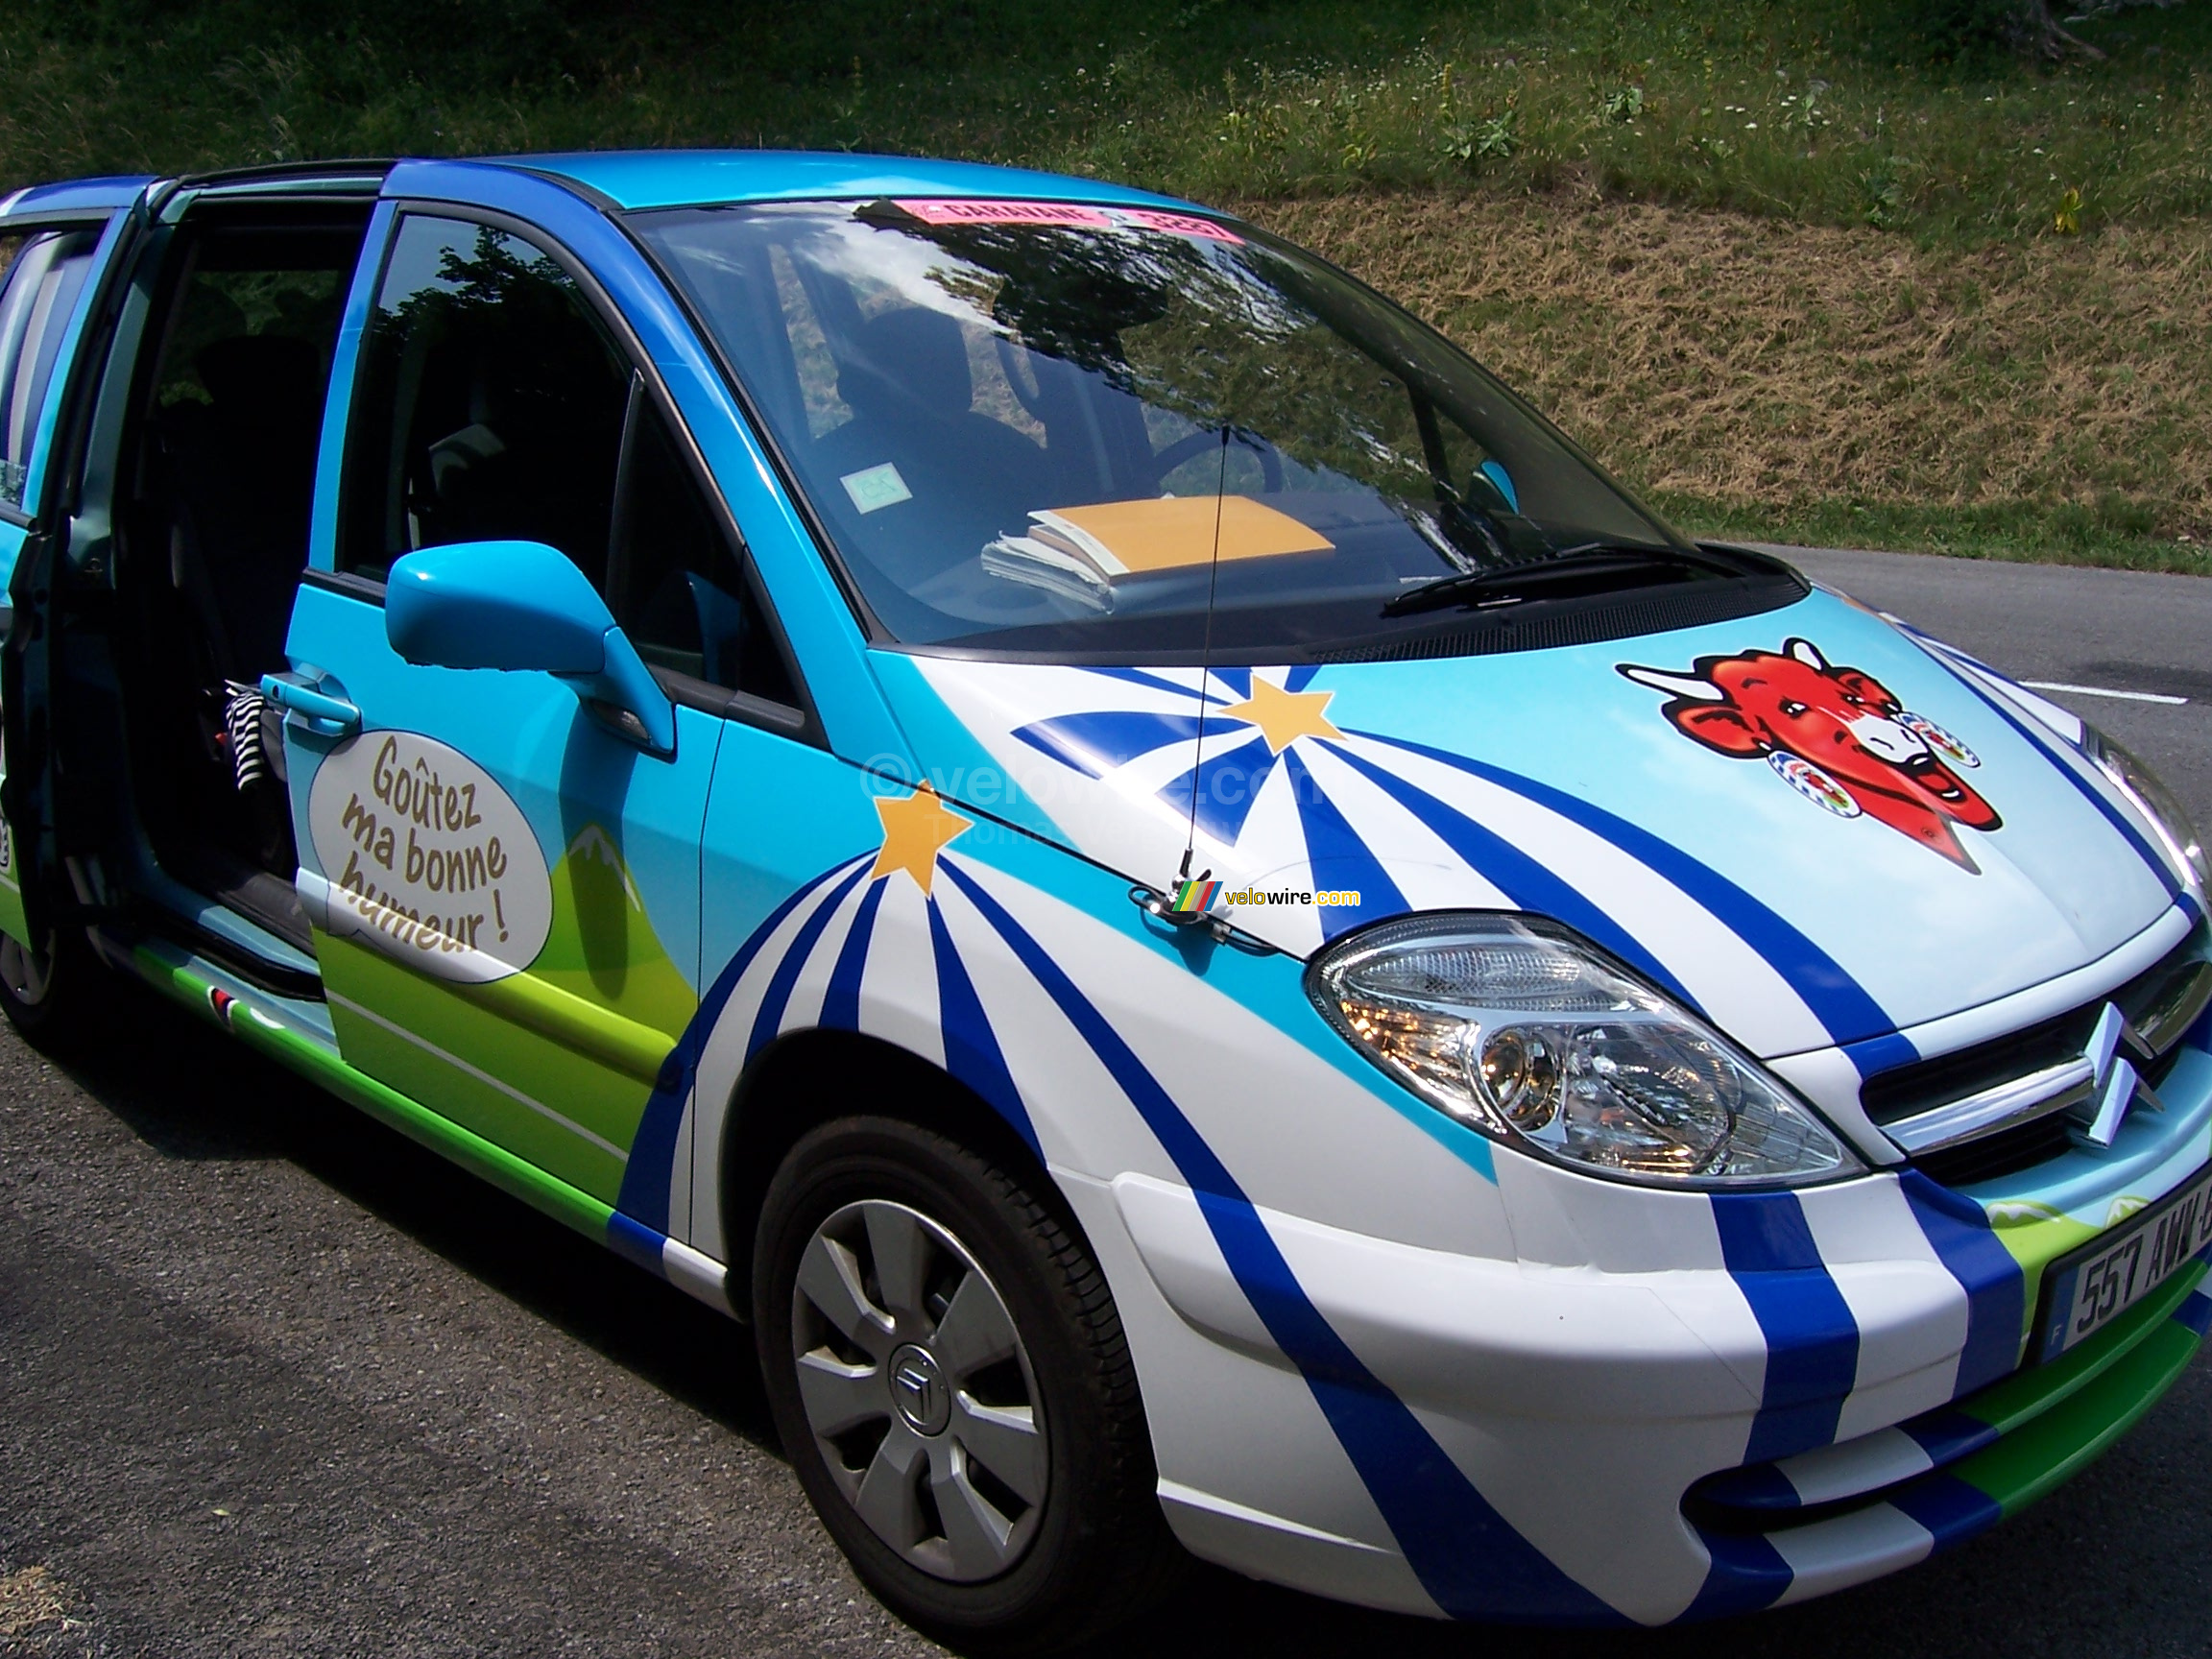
806 610
93 866
799 722
34 899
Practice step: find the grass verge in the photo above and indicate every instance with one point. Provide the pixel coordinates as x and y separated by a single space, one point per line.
1789 381
1785 264
1829 111
2013 532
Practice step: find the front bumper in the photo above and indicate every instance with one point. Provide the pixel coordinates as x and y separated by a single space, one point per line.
1551 1439
1800 1528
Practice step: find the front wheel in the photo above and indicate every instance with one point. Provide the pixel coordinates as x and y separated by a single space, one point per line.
951 1382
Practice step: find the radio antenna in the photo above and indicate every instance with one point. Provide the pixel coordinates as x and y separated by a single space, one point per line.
1205 658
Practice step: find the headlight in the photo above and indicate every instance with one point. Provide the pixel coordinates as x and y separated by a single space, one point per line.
2141 785
1517 1028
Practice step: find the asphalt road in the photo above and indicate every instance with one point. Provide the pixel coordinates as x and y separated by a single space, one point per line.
2129 631
274 1381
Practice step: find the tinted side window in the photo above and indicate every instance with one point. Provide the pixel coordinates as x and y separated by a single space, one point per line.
672 580
491 404
42 282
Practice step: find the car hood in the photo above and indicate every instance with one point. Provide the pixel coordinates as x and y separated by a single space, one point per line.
1811 824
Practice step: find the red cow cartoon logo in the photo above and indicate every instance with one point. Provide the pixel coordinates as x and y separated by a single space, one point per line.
1837 736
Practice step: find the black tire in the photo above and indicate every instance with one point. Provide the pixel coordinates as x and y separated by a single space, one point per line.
49 994
1097 1547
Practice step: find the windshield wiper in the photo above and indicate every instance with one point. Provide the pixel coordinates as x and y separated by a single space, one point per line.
1584 563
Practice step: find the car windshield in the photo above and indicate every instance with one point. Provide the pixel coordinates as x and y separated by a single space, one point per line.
1034 428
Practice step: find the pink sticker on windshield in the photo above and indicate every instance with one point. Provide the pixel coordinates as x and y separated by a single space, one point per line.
1179 225
1007 214
956 211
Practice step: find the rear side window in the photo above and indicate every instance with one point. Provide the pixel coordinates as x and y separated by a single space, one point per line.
44 275
491 404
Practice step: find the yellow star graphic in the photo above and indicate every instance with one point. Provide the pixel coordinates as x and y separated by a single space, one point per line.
915 831
1283 716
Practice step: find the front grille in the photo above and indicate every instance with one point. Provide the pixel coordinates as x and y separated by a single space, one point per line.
1908 1091
2004 1154
2042 1065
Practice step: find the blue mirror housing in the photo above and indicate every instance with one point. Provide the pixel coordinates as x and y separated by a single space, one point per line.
496 605
522 606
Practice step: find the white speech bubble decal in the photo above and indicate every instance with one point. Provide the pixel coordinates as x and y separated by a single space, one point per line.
426 858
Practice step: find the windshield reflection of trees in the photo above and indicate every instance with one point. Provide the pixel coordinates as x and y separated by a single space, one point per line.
1197 332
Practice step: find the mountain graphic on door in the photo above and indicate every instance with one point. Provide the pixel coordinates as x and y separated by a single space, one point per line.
602 946
578 1036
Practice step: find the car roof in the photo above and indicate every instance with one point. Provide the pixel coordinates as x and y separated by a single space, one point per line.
72 196
644 179
701 177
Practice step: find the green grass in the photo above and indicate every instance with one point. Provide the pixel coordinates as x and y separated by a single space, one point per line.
2015 532
1893 288
1836 111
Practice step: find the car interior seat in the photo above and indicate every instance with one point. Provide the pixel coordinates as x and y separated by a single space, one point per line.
906 375
242 471
231 482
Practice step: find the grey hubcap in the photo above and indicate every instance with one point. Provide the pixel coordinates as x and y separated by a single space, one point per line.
919 1391
28 972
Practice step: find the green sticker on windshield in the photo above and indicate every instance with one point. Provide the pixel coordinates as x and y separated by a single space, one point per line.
875 487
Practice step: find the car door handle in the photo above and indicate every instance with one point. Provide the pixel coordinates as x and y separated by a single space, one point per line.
325 715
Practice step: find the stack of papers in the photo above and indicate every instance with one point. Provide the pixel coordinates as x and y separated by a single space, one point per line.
1080 553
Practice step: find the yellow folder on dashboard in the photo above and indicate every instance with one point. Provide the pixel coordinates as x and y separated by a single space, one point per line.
1170 532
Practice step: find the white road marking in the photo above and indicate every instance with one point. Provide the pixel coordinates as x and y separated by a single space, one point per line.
2103 692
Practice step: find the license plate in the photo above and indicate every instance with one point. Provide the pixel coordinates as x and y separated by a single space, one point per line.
2098 1282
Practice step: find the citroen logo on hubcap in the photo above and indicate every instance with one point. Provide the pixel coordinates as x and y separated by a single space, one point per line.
918 1391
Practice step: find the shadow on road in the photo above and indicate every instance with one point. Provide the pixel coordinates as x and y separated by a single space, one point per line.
190 1093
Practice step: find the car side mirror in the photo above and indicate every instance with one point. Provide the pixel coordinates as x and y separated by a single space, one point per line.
523 605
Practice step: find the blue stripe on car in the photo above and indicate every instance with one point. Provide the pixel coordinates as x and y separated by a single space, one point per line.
2065 756
1756 1486
972 1051
841 1000
1843 1006
1879 1054
1529 883
1812 1338
1198 791
1333 845
769 1018
1094 744
1747 1574
1466 1555
1996 1288
645 1178
1947 1435
635 1242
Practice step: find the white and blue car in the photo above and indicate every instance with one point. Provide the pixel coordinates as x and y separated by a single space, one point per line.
1227 948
